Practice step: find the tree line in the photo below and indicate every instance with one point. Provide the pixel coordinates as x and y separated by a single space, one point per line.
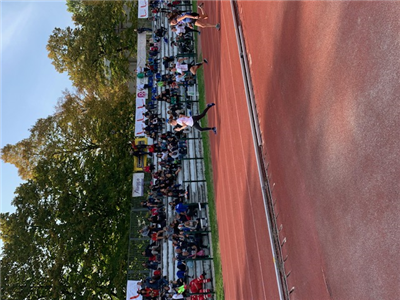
68 236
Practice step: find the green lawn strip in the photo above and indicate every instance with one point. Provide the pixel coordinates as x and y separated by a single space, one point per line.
219 285
210 193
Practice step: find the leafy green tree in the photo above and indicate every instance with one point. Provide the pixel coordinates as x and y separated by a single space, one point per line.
26 153
95 53
68 236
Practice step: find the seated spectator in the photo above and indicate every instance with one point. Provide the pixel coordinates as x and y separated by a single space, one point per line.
153 53
149 293
196 287
190 225
151 250
181 29
143 29
152 265
167 60
160 32
155 283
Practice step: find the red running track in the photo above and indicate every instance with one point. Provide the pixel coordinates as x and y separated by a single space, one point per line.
245 248
326 82
246 254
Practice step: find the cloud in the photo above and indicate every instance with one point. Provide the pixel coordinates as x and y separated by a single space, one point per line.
14 20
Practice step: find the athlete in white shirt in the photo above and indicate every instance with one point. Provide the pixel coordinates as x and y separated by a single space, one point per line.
182 29
181 67
185 121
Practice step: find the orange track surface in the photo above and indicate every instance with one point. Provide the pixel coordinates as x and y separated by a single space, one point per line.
246 253
326 81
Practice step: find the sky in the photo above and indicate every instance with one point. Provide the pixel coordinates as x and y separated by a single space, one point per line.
29 84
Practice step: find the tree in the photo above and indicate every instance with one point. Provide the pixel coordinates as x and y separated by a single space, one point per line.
94 53
79 126
25 154
68 236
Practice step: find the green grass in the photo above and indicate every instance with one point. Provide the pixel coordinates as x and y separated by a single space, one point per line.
219 284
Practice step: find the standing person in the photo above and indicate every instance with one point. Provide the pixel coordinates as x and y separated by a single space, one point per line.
181 67
185 121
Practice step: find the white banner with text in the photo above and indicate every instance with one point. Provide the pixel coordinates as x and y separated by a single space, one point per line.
143 9
137 184
132 288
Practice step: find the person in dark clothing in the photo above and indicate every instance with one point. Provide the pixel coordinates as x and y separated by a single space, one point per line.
153 53
143 29
152 265
192 19
160 32
138 153
167 60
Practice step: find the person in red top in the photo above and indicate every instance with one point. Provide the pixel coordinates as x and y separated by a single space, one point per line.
149 293
158 236
157 273
196 287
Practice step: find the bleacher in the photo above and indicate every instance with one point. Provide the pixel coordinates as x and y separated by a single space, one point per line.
192 174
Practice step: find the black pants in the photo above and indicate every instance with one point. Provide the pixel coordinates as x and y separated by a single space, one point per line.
192 64
143 29
188 29
198 118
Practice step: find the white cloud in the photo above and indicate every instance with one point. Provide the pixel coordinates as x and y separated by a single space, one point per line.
13 22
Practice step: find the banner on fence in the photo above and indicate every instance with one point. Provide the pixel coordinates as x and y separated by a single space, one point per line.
142 93
140 102
141 51
137 184
139 121
131 290
143 9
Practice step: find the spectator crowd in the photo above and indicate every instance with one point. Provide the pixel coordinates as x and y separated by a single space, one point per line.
172 218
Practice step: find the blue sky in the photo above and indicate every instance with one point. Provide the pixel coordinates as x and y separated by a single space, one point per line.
30 86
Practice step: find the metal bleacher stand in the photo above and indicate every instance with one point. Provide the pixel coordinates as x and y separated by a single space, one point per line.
192 175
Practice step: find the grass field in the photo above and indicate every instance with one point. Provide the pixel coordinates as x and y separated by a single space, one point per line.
219 286
210 194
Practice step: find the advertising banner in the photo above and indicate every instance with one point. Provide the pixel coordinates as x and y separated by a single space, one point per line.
143 9
131 290
142 94
137 184
140 103
141 54
139 121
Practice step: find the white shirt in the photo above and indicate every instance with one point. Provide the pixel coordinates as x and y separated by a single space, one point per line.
180 68
187 120
180 28
164 155
179 78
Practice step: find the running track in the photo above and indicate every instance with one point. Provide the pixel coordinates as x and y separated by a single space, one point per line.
326 82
